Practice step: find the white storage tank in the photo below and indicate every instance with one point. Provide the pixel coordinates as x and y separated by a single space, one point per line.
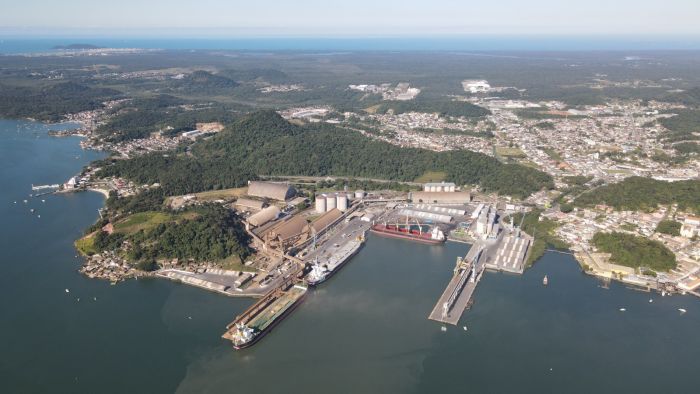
359 194
331 202
321 203
342 202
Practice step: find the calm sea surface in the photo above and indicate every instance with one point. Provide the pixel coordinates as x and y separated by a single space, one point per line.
365 330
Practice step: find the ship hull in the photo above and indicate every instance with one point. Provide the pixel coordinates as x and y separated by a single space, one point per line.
272 325
336 269
406 236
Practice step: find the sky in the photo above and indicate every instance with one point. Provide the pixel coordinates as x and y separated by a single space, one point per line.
353 18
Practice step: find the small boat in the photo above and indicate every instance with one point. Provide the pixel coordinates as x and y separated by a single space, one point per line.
38 216
31 210
25 201
650 300
622 309
43 200
682 311
464 328
545 280
67 291
94 298
443 328
15 202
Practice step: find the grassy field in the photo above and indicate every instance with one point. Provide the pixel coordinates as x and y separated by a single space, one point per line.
86 245
224 194
141 221
431 176
373 109
515 153
234 263
148 220
554 155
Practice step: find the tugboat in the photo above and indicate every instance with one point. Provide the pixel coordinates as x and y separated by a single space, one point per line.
545 280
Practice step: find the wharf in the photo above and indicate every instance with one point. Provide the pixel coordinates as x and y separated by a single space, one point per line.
458 293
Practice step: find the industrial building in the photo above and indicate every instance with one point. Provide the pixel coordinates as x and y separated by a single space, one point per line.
439 187
287 233
435 217
486 221
272 190
248 205
445 210
325 220
476 86
328 202
440 197
266 215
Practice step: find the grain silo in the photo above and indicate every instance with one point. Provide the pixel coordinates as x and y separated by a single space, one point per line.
321 203
331 201
359 193
342 202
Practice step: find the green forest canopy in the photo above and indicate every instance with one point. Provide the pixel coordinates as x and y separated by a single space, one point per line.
636 252
204 233
644 194
265 144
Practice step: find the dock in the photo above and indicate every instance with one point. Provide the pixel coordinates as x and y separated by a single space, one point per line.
506 252
458 293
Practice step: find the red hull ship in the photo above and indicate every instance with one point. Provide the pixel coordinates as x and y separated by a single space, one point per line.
410 233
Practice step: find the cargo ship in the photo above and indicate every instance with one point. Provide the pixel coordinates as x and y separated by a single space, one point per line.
260 318
412 232
322 271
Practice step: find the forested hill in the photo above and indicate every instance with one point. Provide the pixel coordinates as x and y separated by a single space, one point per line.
645 194
265 144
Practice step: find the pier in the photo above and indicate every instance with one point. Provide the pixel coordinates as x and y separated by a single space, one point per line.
457 296
505 253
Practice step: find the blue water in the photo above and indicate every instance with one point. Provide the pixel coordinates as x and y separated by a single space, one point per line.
364 330
14 44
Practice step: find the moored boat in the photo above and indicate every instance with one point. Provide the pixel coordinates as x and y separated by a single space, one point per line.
412 232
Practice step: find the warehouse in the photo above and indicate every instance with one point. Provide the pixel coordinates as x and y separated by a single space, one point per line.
441 197
248 205
287 233
445 210
435 217
273 190
264 216
325 220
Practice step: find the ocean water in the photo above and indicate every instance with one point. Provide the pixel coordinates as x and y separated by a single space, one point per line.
18 44
365 330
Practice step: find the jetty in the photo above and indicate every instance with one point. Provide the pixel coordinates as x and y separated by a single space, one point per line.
458 294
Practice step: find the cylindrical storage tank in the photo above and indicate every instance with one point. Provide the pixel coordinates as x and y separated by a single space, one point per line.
359 194
342 202
350 196
321 203
331 202
433 188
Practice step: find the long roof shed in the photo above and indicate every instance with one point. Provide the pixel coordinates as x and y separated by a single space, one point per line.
273 190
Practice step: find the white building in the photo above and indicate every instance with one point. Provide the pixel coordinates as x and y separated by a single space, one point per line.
476 86
439 187
691 227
